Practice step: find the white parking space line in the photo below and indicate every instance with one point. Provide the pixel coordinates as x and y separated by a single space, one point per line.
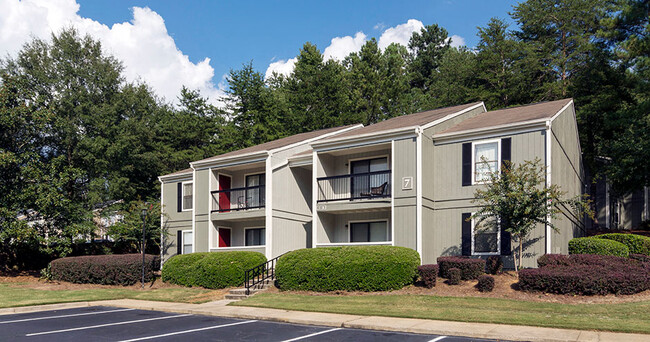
439 338
310 335
186 331
104 325
62 316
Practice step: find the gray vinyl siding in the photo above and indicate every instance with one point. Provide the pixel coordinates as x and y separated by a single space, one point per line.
173 221
405 213
567 172
291 209
443 191
202 208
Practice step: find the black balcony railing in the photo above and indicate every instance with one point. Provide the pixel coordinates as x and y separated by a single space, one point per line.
251 197
355 186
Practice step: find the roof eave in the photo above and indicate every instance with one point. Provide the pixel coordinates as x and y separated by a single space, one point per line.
369 138
470 133
238 159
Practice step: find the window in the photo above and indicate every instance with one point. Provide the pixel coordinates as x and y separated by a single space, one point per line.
255 236
255 197
363 182
187 196
486 237
369 231
485 160
187 242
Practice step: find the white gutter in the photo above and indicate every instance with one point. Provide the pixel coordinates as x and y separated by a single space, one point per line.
230 161
418 189
320 137
178 177
365 139
548 183
538 123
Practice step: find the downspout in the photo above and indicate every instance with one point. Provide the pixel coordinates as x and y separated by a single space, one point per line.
418 195
548 183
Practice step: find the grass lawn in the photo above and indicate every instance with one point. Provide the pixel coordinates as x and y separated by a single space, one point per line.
12 295
624 317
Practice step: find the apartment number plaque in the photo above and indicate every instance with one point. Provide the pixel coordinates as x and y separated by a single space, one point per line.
407 183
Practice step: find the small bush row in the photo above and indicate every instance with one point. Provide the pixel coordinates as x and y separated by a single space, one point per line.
358 268
592 245
215 270
636 244
469 268
116 269
586 275
428 275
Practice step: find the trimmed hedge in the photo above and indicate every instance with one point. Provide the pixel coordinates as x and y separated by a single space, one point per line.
586 274
455 275
428 275
350 268
637 244
485 283
115 269
494 264
215 270
591 245
640 257
470 268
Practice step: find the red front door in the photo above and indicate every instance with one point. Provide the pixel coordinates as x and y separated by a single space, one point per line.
224 197
224 237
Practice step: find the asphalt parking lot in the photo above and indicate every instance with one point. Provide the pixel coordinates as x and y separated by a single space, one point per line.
101 323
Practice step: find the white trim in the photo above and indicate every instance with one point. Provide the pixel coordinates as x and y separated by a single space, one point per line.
314 199
322 136
453 115
392 192
368 221
255 227
162 224
193 208
216 229
183 240
245 158
418 195
231 248
176 178
183 196
355 243
488 135
548 183
379 156
268 207
219 173
498 156
492 130
561 110
365 139
498 252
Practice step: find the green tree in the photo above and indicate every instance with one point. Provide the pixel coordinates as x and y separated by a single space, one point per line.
427 46
517 199
455 80
127 233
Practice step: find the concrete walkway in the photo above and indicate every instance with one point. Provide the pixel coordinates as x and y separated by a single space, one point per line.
410 325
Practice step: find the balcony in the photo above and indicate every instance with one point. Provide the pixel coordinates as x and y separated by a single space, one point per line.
237 199
357 186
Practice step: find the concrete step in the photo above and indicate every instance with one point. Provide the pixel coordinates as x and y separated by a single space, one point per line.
236 296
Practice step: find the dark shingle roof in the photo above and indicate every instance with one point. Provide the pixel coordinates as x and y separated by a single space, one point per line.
275 144
404 121
178 173
535 111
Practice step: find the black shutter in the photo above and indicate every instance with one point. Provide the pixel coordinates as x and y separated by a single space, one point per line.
506 246
467 164
179 198
179 242
467 234
506 151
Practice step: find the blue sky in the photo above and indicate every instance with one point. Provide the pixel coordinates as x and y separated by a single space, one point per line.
231 33
170 44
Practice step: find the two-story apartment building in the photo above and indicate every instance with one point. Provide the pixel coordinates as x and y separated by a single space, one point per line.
407 181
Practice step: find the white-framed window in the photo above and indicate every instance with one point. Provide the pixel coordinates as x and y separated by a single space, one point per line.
486 237
188 193
255 236
370 231
485 159
187 242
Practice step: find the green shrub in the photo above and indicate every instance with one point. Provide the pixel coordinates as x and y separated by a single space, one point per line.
358 268
637 244
590 245
469 268
116 269
214 270
178 269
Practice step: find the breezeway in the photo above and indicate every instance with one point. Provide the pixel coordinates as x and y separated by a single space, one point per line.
98 323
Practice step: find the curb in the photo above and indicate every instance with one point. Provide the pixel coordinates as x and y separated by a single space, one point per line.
46 307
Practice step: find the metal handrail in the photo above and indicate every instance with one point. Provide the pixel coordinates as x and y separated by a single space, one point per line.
243 200
260 273
355 175
375 184
238 189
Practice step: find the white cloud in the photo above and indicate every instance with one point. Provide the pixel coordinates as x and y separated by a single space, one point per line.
457 41
341 47
283 67
400 34
145 47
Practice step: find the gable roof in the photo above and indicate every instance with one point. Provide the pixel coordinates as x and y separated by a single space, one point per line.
513 115
178 173
406 121
278 143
